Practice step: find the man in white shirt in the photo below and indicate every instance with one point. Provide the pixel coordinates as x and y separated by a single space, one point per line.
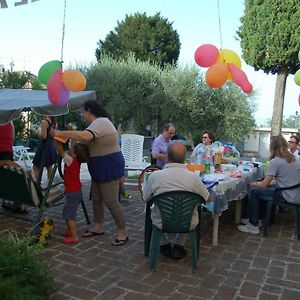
293 145
173 177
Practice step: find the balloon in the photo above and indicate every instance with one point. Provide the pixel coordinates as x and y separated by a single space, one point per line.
48 69
74 80
206 55
216 75
299 55
299 100
297 77
229 57
240 78
247 88
57 93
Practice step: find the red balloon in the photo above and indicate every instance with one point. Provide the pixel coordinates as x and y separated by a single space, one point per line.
216 75
240 78
206 55
57 93
247 88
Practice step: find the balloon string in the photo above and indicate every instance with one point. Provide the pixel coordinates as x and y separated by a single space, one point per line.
63 33
220 30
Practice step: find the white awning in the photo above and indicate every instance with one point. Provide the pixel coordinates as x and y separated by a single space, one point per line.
14 101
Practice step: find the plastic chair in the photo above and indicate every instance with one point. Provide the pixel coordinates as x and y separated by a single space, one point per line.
278 201
145 175
132 149
176 209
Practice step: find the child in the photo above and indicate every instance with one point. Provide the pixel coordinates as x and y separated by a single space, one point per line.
77 155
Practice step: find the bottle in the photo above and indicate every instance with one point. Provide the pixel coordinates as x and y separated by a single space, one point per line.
218 157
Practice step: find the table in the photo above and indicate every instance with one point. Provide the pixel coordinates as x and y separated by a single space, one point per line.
233 189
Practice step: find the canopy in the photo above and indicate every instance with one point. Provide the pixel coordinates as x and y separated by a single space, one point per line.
14 101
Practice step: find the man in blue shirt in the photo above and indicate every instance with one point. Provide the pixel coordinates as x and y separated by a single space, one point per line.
160 145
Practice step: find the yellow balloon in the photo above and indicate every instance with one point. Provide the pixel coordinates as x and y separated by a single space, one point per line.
229 57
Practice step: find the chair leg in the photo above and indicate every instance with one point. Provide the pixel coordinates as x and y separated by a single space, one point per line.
268 217
198 230
195 248
85 212
298 221
147 231
155 248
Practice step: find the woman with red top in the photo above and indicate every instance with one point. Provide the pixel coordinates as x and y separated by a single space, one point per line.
78 154
7 139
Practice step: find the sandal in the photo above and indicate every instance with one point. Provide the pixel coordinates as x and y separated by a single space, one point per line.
70 241
118 242
90 233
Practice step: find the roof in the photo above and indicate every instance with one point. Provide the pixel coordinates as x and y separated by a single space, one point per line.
14 101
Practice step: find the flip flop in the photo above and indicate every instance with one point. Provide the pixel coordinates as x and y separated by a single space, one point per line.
118 242
89 233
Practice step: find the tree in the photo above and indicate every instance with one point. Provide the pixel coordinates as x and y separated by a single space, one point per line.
270 40
144 97
13 80
149 38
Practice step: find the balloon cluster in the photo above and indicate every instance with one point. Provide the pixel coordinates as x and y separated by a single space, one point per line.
59 83
223 65
297 77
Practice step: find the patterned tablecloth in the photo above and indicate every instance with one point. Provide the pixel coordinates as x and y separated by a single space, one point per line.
225 191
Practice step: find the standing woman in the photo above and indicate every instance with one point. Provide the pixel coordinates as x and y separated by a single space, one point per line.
106 167
283 167
46 144
7 139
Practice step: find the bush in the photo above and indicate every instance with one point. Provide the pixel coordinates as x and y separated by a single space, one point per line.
23 275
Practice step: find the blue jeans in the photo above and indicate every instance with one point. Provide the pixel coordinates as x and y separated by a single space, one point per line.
255 196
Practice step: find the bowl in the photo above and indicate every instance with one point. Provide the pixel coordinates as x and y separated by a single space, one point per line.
195 167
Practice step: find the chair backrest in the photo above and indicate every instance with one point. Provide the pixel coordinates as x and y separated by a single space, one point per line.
132 149
176 209
15 187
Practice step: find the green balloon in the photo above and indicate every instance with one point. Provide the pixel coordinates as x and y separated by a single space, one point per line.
48 69
297 77
299 55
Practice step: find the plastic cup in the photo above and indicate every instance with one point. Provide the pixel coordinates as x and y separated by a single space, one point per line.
253 159
212 170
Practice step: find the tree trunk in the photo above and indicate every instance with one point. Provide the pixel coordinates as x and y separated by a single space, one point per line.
279 101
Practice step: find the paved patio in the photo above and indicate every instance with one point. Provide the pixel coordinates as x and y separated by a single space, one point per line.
241 267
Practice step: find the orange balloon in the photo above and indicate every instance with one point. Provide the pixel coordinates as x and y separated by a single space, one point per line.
217 74
73 80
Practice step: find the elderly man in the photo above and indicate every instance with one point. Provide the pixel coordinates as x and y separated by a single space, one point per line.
160 144
174 176
293 145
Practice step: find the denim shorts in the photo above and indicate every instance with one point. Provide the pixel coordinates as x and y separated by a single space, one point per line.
72 202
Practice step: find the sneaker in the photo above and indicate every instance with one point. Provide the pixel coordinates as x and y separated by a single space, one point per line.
166 249
126 195
245 221
249 228
178 252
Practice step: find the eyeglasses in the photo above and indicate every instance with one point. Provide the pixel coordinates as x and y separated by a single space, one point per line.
291 142
205 137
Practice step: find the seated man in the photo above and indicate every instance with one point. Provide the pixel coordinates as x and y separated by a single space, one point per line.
173 177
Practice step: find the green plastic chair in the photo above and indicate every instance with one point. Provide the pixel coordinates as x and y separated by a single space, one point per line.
176 209
277 201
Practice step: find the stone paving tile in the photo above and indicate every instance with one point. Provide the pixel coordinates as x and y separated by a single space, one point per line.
241 267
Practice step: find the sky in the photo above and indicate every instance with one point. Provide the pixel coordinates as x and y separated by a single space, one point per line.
31 35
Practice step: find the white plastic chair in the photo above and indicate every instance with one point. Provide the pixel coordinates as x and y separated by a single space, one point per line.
21 154
132 149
